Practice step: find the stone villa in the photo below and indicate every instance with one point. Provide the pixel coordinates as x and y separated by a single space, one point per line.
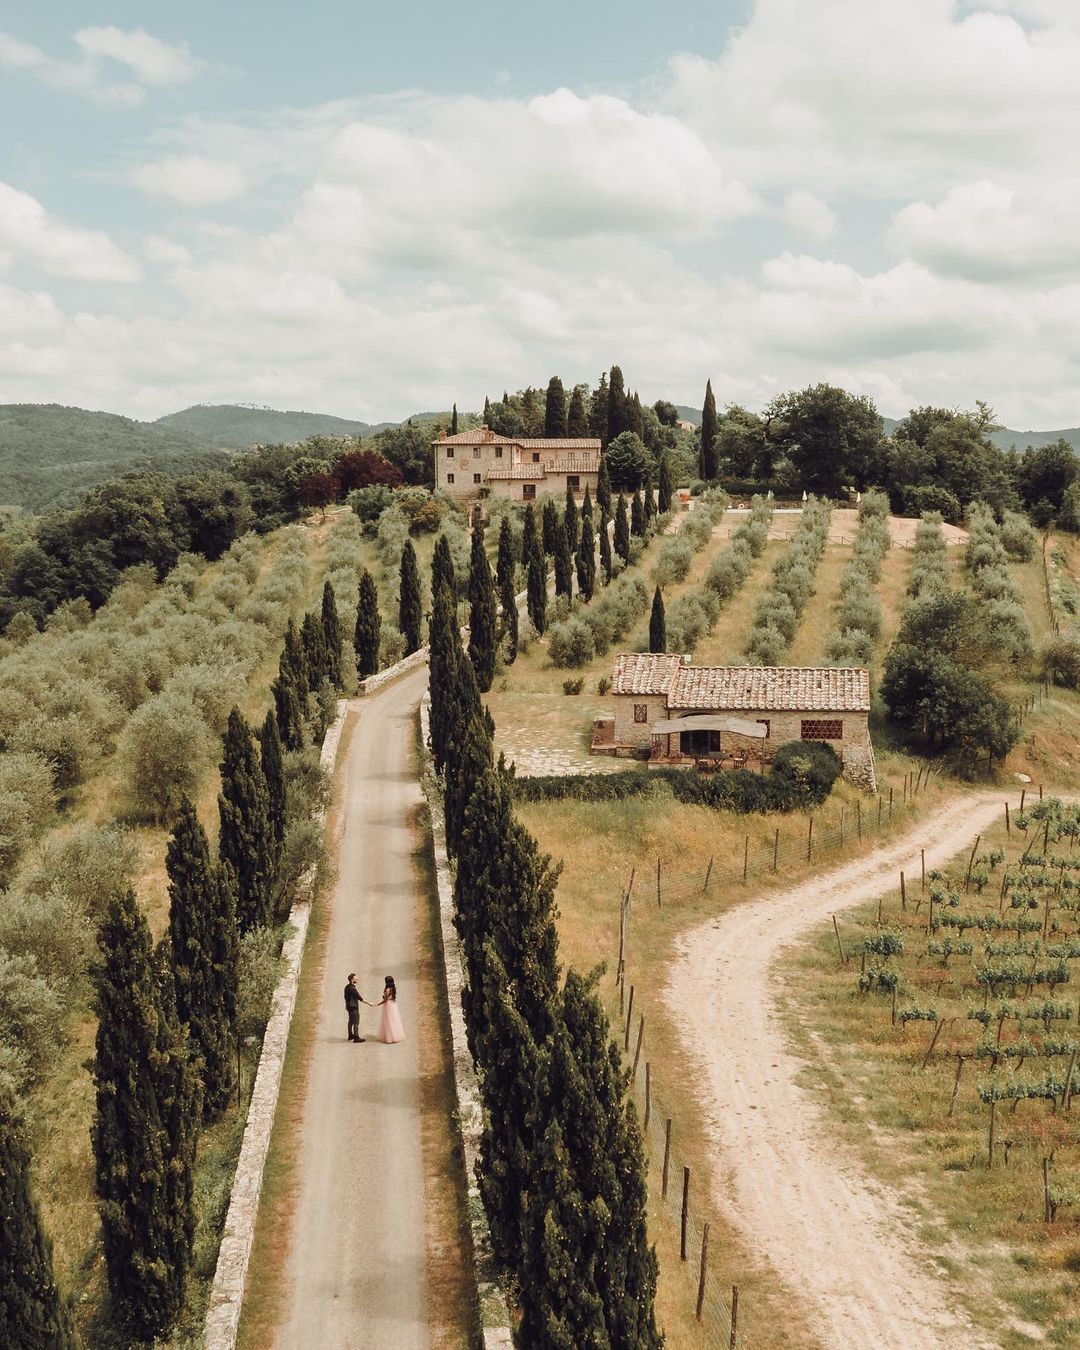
670 712
481 463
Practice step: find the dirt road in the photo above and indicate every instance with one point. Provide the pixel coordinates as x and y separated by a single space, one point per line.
355 1266
836 1237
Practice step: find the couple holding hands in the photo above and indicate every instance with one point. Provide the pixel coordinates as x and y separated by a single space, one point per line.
390 1028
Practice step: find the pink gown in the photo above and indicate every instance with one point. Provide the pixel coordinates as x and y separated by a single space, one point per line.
390 1029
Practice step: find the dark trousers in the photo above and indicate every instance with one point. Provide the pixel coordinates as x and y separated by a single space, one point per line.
354 1021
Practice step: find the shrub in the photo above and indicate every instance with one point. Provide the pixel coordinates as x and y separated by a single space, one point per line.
51 929
573 686
30 1011
571 643
917 501
603 684
810 767
162 750
1060 661
673 562
766 647
257 969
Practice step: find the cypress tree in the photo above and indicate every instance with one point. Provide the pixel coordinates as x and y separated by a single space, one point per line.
311 636
535 572
442 566
244 839
637 515
586 559
555 408
616 403
294 663
648 499
564 566
453 421
549 517
603 486
368 627
606 561
145 1128
528 537
287 712
33 1316
469 757
666 487
570 519
487 411
203 943
586 503
708 462
657 624
273 767
482 615
622 530
444 651
331 626
504 564
508 628
577 418
410 618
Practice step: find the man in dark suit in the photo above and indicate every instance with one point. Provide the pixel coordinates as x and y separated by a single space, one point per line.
353 999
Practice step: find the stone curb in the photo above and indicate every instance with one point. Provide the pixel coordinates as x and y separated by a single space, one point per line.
234 1254
494 1313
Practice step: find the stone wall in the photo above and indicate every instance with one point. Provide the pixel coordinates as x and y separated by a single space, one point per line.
391 673
629 732
234 1254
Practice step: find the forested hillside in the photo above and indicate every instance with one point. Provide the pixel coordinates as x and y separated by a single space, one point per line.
50 453
230 426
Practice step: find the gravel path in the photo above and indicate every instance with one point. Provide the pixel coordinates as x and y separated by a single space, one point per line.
835 1236
356 1262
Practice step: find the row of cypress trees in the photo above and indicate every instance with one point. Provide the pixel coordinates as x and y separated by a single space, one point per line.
165 1051
561 1173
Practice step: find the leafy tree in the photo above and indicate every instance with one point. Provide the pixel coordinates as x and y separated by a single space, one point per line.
637 515
743 446
666 413
145 1129
162 750
586 559
1046 472
708 462
203 943
368 627
555 408
577 418
570 519
622 530
832 438
564 567
482 615
616 405
410 617
272 763
33 1316
606 561
318 491
409 449
331 634
657 624
357 469
627 461
946 704
244 839
603 486
549 517
215 509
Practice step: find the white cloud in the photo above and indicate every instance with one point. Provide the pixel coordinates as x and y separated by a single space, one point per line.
191 180
149 60
152 61
29 233
809 217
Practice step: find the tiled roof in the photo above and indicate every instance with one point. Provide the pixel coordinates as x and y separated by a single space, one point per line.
530 472
478 436
579 463
782 688
485 436
644 673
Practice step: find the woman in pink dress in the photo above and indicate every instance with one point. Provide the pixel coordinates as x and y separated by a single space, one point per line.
390 1029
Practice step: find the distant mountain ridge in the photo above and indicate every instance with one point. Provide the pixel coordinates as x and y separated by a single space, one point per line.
232 426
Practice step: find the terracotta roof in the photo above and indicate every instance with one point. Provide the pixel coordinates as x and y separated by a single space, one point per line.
644 673
579 463
478 436
485 436
530 472
783 688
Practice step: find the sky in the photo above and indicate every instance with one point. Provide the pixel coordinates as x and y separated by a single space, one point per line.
373 210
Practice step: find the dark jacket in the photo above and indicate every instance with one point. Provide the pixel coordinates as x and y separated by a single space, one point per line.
352 996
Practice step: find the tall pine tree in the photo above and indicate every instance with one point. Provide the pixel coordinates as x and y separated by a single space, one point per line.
410 617
244 837
564 566
288 713
294 665
203 943
504 564
708 462
622 530
586 560
577 418
331 632
598 409
657 624
603 486
144 1130
33 1316
606 560
570 519
482 614
555 409
637 515
368 627
666 487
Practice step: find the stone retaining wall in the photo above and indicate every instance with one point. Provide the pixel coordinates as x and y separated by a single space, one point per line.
402 667
495 1316
234 1254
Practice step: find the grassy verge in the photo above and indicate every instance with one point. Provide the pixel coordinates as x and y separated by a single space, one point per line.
895 1115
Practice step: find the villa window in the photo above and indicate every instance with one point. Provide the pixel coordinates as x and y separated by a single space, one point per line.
528 492
476 452
641 712
449 452
822 729
573 481
536 456
476 478
449 477
498 452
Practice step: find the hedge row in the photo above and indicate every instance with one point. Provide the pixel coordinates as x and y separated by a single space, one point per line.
859 616
777 615
989 548
930 560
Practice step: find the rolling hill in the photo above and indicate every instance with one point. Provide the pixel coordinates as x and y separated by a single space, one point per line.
230 426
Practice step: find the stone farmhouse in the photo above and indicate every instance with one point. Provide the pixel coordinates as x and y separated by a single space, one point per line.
670 712
481 463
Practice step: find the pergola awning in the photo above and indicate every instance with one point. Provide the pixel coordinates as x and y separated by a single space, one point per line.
709 722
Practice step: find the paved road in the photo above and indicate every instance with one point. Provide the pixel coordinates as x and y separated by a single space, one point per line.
356 1258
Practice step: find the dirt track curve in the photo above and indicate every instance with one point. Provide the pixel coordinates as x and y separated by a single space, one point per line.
836 1237
355 1265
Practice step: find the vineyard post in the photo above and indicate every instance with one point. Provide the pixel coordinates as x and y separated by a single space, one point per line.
708 874
956 1084
1046 1190
776 850
637 1048
971 863
930 915
658 905
841 826
880 902
648 1097
745 858
896 985
1046 838
1008 826
685 1212
1040 791
734 1341
1004 888
701 1276
903 894
858 819
1023 794
836 929
890 805
667 1158
810 838
922 864
629 1019
880 804
903 793
933 1041
990 1145
622 941
1066 1096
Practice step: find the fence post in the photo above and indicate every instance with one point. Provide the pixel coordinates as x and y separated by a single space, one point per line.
922 864
841 825
810 838
745 858
836 928
1023 794
880 804
903 894
1008 827
933 1042
708 874
667 1158
971 860
685 1212
637 1049
776 850
1066 1096
629 1019
622 940
648 1098
890 804
733 1343
701 1276
990 1147
858 819
658 906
